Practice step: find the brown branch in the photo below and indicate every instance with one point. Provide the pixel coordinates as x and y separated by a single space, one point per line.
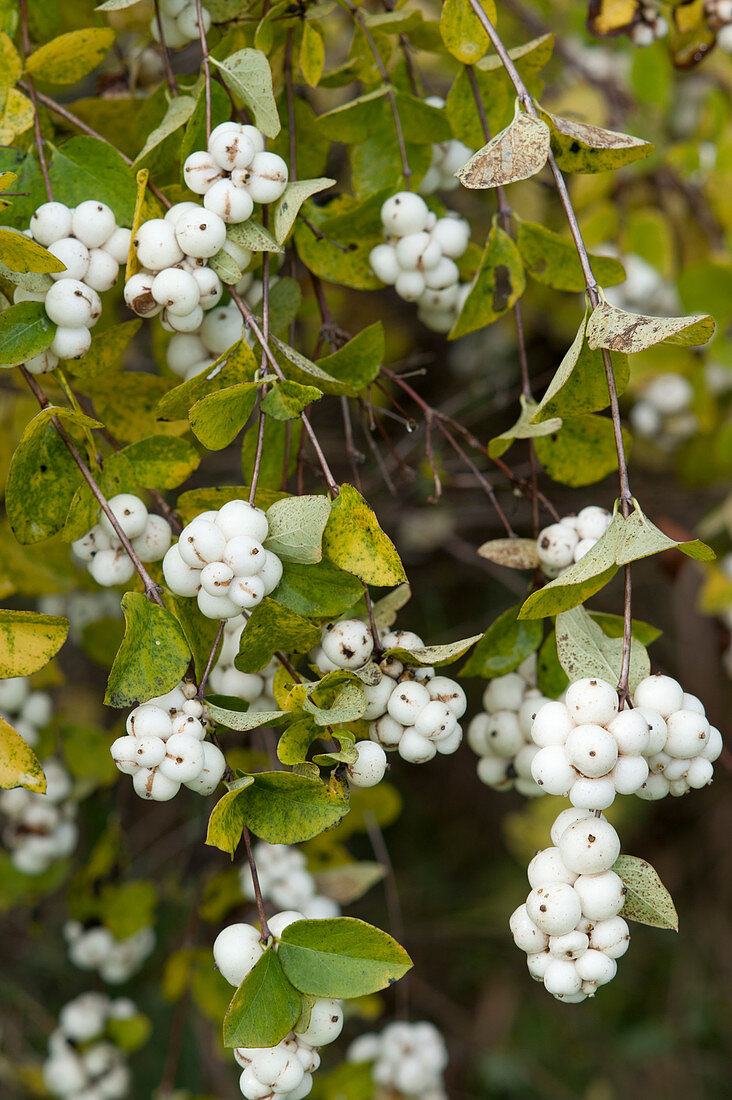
31 88
169 76
206 67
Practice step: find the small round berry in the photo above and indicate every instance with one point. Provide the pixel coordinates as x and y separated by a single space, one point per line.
386 731
103 270
442 275
201 542
188 23
186 322
654 788
216 578
504 693
592 749
589 846
183 758
212 772
209 286
238 517
246 592
592 794
657 731
149 720
406 701
526 935
348 643
552 770
111 567
384 263
414 748
124 754
176 290
231 148
218 607
661 693
201 172
688 733
71 303
280 921
150 751
50 222
595 966
404 213
156 245
564 820
93 223
556 545
547 867
153 786
552 725
130 513
629 774
602 896
118 245
410 285
244 555
236 951
270 573
73 254
325 1023
369 768
221 328
184 350
571 946
181 578
452 233
435 721
631 731
233 204
266 177
449 692
555 908
138 295
591 700
417 251
153 543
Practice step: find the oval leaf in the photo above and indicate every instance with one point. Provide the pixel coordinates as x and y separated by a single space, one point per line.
646 898
518 152
28 641
342 957
264 1008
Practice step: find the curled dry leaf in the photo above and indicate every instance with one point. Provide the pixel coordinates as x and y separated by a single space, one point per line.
513 553
518 152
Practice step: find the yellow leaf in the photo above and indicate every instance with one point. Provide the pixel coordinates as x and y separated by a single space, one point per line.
19 766
70 57
312 54
7 179
17 117
11 65
21 254
610 17
140 215
462 32
28 641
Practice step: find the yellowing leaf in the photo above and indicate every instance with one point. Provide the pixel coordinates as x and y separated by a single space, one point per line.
354 541
462 32
133 264
21 254
19 766
28 641
70 57
610 327
312 54
17 116
518 152
11 65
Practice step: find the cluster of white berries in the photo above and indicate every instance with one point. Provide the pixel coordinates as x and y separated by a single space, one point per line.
95 948
179 22
682 744
663 412
719 14
418 258
562 544
256 689
410 710
106 559
569 926
286 1069
285 881
235 171
590 750
175 280
408 1059
89 242
26 710
165 747
447 157
649 25
220 559
82 1064
501 733
40 828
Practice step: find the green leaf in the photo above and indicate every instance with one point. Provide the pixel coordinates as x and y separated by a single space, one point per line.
270 627
85 166
581 147
517 153
551 679
285 400
303 370
279 454
295 741
580 383
23 255
284 808
348 882
341 957
612 625
107 351
68 58
195 133
288 205
161 461
218 418
296 526
244 719
227 821
179 111
529 56
43 477
585 650
126 907
319 591
359 361
348 705
28 641
264 1008
462 32
498 284
524 428
341 256
587 576
582 452
239 366
506 643
153 657
25 330
610 327
639 538
552 259
437 655
250 234
19 766
248 75
646 898
354 541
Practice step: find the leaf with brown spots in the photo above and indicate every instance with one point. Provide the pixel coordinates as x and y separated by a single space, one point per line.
581 147
646 898
497 286
513 553
518 152
618 330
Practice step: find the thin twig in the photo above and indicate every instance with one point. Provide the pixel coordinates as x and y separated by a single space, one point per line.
34 100
169 76
393 901
378 649
206 66
210 661
265 933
